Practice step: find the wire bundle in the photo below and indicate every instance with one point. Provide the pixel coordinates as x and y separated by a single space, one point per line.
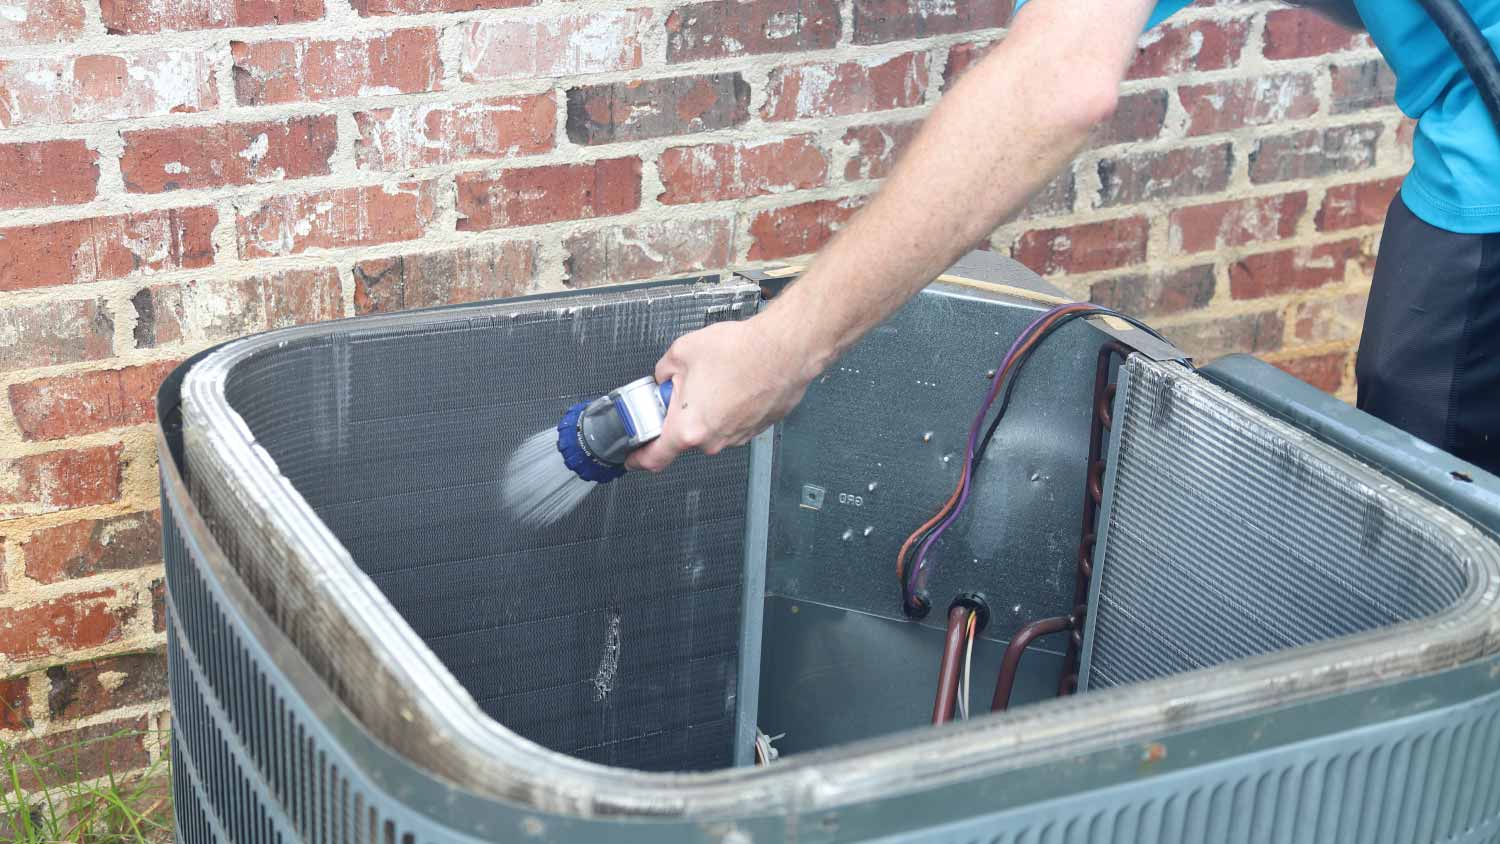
912 568
968 669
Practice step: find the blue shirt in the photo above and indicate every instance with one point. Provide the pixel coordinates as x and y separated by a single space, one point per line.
1454 182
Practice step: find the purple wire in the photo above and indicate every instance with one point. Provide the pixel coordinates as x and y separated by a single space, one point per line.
914 581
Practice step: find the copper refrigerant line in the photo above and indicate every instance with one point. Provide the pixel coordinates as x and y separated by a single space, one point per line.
968 615
1093 497
953 653
913 566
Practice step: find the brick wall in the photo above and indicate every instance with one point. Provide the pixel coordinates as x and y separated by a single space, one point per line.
178 172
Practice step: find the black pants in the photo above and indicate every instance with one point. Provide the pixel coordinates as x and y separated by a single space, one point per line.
1429 360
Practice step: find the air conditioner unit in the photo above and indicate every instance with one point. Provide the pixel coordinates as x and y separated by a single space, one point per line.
1282 614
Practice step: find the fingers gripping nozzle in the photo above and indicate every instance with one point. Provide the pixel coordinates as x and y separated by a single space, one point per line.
595 437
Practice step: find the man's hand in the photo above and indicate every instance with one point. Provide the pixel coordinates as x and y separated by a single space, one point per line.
731 381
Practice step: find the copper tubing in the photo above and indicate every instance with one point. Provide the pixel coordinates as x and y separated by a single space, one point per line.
1018 644
1093 495
953 657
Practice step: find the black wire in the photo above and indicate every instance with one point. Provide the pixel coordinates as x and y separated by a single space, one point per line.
1008 391
1015 373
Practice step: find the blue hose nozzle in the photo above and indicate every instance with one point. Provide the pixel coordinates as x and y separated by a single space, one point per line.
596 436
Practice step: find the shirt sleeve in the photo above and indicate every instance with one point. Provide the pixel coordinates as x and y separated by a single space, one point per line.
1164 9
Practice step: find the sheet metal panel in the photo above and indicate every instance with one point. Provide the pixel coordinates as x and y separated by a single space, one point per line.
879 443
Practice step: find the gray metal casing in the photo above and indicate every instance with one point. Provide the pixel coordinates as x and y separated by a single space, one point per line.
266 749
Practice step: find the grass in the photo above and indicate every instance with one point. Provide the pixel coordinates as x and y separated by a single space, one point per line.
134 808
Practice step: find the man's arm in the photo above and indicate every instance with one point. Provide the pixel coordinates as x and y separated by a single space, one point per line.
1013 120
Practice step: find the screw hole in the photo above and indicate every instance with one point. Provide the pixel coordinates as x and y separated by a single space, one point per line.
1462 476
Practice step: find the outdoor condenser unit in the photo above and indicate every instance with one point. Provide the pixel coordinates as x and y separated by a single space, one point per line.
1284 622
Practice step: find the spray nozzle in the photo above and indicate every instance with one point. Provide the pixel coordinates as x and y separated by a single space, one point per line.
595 437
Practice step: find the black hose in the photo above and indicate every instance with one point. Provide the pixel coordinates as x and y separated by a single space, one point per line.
1476 54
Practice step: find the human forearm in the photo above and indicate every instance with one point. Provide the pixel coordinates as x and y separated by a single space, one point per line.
1007 128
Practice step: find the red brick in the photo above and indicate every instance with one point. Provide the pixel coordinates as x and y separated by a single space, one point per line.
725 28
1406 129
440 133
220 309
799 229
1370 84
58 480
961 57
1288 270
81 251
834 88
73 405
1146 176
877 148
1325 371
644 250
1340 318
78 89
67 756
1216 336
535 195
653 108
159 605
158 160
1235 103
878 21
1235 222
1106 245
47 173
1312 153
1053 200
82 549
1174 48
53 333
567 45
15 704
89 688
41 22
417 7
1137 117
1156 294
1298 33
297 70
334 218
132 17
737 170
1350 206
471 274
